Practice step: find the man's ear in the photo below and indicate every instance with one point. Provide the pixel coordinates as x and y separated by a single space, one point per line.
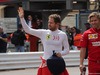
58 24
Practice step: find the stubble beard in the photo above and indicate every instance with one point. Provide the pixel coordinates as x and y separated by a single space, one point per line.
52 29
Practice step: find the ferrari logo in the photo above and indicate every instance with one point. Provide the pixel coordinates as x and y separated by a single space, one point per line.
48 37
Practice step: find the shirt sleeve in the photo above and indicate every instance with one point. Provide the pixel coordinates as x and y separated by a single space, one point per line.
35 32
65 45
84 40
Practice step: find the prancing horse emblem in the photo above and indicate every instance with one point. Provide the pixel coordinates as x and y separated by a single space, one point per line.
48 37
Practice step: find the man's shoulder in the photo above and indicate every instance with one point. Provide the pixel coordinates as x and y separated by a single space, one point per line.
88 31
62 32
44 30
15 32
4 33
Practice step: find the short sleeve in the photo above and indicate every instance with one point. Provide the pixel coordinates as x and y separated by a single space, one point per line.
84 40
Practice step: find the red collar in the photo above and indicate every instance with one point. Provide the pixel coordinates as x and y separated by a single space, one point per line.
97 30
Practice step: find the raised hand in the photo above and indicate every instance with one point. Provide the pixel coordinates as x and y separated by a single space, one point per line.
21 12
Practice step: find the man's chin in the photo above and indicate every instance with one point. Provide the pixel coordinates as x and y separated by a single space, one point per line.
51 29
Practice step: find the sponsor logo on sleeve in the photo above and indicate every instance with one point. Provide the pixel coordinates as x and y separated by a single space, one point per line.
96 43
92 36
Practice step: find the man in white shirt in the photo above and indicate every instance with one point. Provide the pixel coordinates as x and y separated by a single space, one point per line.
52 39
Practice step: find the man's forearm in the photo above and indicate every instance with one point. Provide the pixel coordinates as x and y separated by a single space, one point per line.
4 39
82 55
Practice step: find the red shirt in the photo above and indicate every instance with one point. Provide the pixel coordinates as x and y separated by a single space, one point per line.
91 39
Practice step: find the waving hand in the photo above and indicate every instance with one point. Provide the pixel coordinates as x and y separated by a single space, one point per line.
21 12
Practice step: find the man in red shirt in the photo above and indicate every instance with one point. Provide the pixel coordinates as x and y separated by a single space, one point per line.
91 38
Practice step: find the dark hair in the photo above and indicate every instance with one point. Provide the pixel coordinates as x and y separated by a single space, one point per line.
77 30
87 24
67 27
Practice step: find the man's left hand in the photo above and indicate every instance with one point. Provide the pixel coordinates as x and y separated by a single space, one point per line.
58 54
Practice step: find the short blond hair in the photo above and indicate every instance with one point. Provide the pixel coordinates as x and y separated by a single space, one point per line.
94 14
56 17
